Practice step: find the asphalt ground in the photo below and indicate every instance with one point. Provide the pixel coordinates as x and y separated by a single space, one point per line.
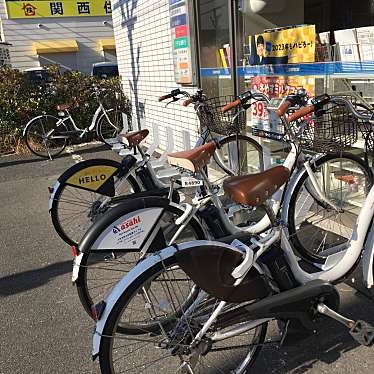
45 330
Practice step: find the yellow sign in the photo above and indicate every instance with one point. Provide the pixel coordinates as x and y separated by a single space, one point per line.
92 178
57 9
285 46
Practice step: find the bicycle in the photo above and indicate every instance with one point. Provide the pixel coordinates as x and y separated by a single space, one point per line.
74 206
46 136
104 257
221 297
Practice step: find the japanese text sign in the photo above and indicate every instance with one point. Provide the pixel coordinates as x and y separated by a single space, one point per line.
180 31
61 8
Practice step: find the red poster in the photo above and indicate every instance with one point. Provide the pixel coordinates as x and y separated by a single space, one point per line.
181 31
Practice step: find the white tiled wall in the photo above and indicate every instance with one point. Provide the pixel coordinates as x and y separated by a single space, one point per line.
144 52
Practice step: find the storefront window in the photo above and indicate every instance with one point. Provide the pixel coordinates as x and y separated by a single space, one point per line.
214 38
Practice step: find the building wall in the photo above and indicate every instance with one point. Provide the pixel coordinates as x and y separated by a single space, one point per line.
85 30
144 52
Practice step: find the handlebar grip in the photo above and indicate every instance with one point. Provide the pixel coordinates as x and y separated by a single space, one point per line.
301 113
231 105
168 96
283 108
187 102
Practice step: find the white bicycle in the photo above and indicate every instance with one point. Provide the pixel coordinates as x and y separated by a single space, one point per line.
203 307
106 254
47 136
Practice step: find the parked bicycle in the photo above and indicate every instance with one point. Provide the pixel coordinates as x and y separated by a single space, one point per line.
75 203
197 301
47 136
320 209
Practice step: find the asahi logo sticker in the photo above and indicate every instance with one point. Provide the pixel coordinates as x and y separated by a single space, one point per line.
130 222
129 231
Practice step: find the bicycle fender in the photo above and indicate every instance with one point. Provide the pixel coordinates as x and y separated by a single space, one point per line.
55 187
368 258
92 175
28 124
105 229
122 286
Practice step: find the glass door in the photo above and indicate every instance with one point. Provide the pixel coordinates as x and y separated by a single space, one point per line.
214 42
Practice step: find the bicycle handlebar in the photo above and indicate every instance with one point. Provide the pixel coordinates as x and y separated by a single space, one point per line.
283 107
164 97
231 105
187 102
320 101
301 113
242 99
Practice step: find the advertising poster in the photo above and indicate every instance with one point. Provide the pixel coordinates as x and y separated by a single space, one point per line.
57 9
365 39
284 46
348 47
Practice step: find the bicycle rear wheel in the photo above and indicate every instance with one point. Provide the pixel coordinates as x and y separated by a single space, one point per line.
74 208
315 227
163 345
101 269
44 138
239 155
110 125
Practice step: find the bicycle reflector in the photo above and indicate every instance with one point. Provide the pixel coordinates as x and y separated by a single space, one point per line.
97 310
74 251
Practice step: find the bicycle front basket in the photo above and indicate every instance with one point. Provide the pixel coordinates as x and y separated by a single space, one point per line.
211 116
334 130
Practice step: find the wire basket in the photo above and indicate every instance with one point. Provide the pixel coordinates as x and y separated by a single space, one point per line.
335 130
210 115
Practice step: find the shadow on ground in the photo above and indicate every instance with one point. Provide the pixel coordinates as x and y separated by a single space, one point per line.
28 280
19 160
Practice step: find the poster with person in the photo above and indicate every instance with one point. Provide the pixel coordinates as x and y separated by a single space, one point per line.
290 45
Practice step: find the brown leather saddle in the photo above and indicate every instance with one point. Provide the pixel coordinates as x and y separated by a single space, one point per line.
195 159
132 139
255 189
63 107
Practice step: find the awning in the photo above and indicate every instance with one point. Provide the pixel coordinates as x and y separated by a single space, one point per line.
105 44
55 46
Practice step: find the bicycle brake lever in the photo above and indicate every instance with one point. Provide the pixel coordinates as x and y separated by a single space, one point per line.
172 101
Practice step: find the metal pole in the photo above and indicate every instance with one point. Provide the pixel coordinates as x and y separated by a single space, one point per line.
233 22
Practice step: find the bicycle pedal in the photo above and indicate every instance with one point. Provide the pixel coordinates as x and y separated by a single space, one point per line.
363 333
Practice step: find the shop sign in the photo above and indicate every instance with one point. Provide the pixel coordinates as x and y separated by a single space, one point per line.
181 40
57 9
285 46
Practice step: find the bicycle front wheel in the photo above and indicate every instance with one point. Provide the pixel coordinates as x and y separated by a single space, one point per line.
160 296
239 155
44 138
110 125
316 228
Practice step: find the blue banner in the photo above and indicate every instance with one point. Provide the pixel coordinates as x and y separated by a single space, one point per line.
178 20
306 69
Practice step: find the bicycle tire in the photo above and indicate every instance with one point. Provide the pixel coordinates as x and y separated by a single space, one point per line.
253 150
31 131
301 230
122 210
111 328
63 186
102 122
